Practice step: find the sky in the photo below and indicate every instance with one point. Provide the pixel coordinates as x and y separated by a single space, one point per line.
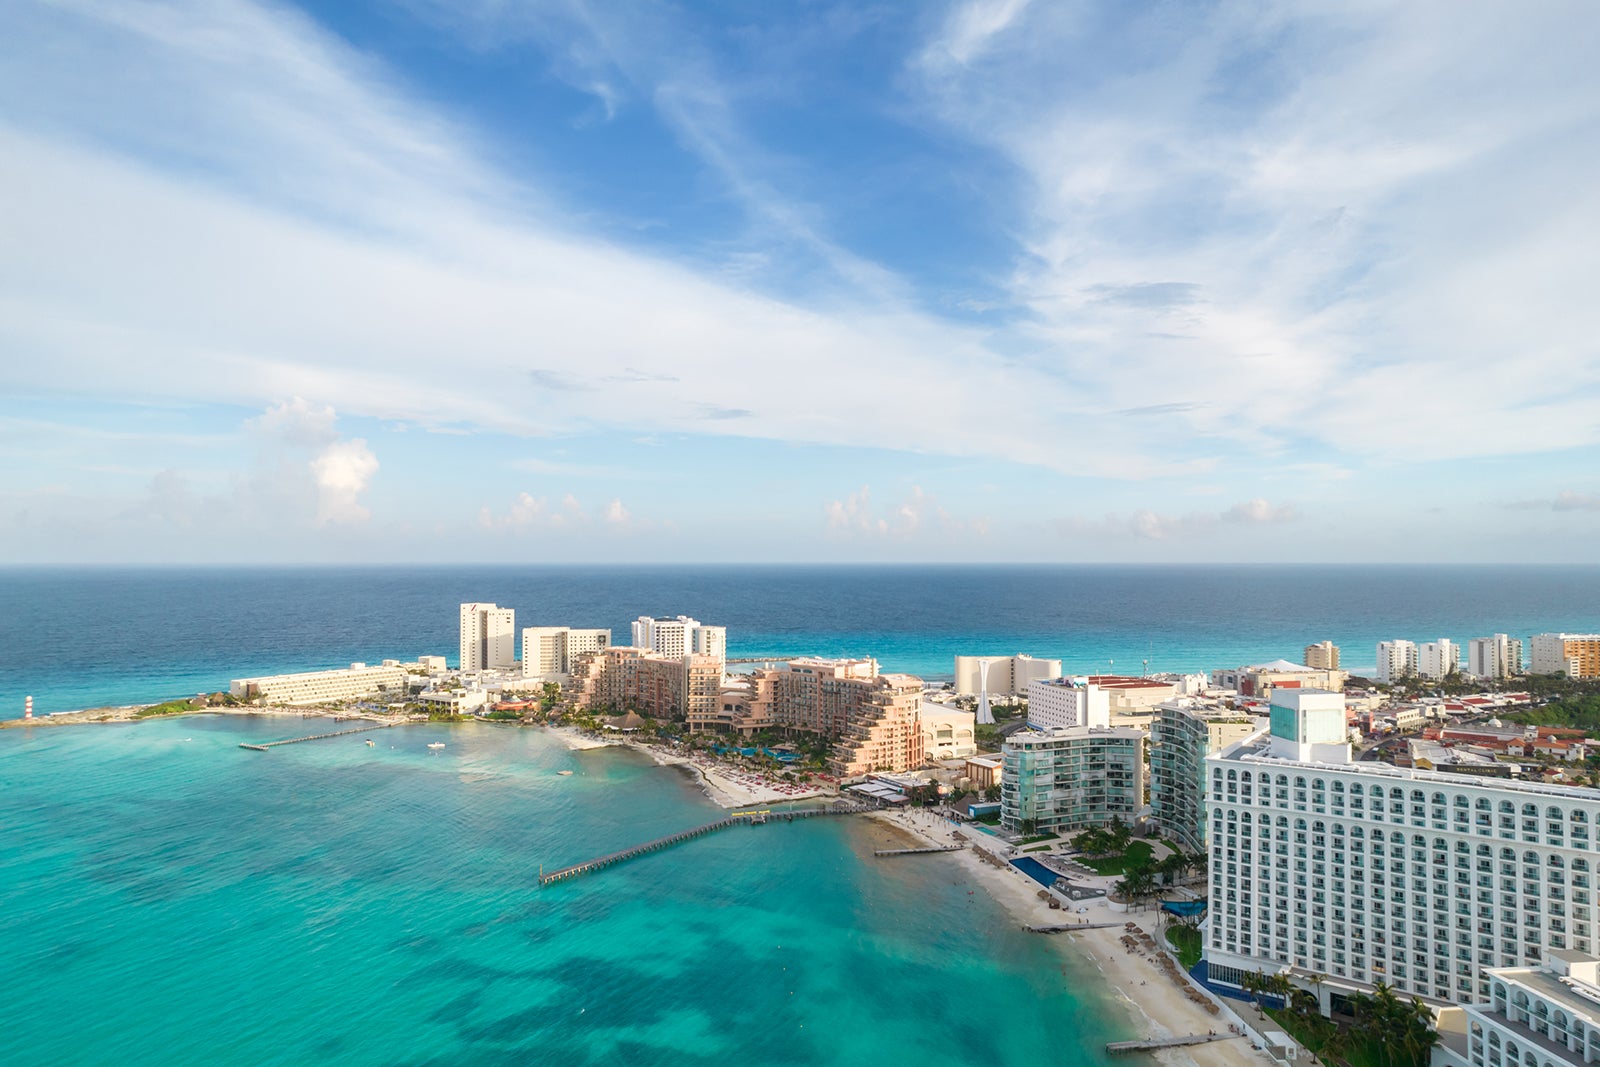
488 281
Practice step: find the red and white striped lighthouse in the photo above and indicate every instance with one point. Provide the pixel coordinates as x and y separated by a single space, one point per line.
27 708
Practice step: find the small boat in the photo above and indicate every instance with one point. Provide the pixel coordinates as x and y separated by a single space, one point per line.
564 774
436 744
369 743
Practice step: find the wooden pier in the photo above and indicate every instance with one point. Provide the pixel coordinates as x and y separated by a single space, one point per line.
754 817
1068 928
917 851
1156 1044
265 745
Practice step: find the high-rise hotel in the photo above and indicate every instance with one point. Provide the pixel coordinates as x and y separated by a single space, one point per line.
1363 872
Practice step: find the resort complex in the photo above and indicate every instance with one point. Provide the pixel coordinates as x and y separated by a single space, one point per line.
1330 837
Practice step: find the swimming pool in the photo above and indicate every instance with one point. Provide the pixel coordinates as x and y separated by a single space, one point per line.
1035 870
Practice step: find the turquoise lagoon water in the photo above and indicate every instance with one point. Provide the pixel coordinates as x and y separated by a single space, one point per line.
169 898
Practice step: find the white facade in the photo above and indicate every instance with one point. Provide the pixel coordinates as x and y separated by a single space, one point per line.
1364 872
1494 657
488 637
1438 659
947 733
315 687
1575 655
1396 660
680 636
1006 675
1545 1016
548 651
1063 703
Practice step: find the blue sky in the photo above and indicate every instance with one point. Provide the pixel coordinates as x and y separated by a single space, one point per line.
440 280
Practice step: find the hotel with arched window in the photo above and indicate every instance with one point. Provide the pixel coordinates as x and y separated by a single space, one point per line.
1346 874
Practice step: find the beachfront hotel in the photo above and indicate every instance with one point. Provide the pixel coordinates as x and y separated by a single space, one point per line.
548 652
488 638
686 687
1007 676
1544 1016
316 687
1365 873
1063 780
1260 679
1184 732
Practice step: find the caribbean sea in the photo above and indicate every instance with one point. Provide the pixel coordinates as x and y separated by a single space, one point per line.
81 638
169 898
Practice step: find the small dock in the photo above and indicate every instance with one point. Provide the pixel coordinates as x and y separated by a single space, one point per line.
265 745
917 851
1156 1044
753 818
1067 928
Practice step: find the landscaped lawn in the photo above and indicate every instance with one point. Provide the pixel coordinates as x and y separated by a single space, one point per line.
1186 939
1139 852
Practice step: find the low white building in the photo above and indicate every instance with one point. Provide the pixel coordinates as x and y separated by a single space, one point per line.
317 687
1002 676
1542 1016
456 701
947 733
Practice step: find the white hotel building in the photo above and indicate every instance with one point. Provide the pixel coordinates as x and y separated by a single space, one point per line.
1063 703
1545 1016
681 636
1363 872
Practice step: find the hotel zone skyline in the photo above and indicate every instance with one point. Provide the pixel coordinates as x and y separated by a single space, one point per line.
973 280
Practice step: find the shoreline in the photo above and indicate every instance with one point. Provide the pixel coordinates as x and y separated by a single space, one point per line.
726 786
1155 1004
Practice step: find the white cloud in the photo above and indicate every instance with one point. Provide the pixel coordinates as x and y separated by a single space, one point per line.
920 512
1571 501
1347 225
530 513
1149 525
342 472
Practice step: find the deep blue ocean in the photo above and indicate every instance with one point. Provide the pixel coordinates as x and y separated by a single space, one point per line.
79 638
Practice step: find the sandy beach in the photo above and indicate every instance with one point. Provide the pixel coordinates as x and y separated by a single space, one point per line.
726 785
1155 1003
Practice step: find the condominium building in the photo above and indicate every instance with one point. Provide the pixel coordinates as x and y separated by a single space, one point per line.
883 732
1182 734
1396 660
1543 1016
1438 659
1323 656
817 696
1575 655
549 651
488 637
687 688
749 702
1063 780
680 636
1494 657
1007 676
316 687
1363 872
1060 703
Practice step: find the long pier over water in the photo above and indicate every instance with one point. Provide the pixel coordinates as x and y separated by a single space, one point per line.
368 728
738 817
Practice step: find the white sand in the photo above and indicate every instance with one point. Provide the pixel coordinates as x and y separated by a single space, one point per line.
1157 1006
